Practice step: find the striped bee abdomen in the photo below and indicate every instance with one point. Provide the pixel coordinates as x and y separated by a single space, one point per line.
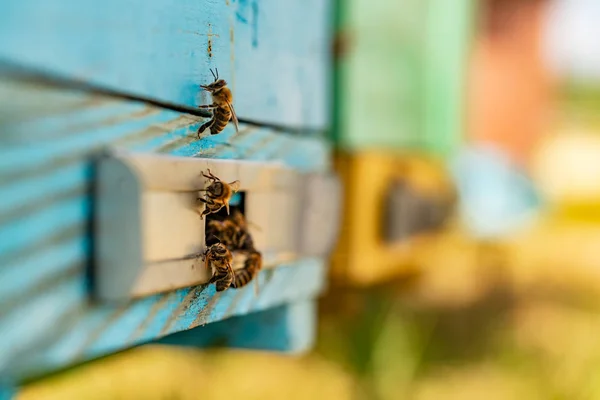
221 117
252 266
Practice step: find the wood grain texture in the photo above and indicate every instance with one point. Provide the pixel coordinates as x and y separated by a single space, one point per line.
159 372
273 54
48 140
288 328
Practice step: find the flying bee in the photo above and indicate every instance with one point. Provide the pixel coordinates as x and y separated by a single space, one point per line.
222 107
218 194
218 259
251 268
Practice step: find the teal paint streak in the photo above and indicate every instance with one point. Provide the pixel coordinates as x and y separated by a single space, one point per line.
112 337
156 323
71 345
26 232
31 157
21 327
37 267
206 143
29 192
287 328
301 280
33 130
154 144
316 155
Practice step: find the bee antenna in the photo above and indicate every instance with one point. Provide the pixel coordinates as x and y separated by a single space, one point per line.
217 71
218 240
213 74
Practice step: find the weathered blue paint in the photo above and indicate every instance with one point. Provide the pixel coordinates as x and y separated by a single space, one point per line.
18 235
22 326
46 320
24 275
22 194
22 158
105 329
273 53
287 328
49 127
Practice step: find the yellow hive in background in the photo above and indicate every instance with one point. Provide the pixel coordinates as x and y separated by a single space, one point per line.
363 256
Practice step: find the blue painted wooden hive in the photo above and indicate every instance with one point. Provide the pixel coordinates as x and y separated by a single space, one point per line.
77 77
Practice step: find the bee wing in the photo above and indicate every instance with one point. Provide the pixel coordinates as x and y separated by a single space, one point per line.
235 185
252 224
233 117
256 288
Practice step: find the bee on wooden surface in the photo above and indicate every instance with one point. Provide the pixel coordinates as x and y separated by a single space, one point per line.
218 194
218 259
222 107
224 231
244 241
233 232
252 267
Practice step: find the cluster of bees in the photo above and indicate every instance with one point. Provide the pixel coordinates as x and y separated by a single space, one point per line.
230 235
226 237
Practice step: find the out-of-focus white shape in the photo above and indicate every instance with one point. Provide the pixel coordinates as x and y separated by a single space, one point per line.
496 198
567 167
572 39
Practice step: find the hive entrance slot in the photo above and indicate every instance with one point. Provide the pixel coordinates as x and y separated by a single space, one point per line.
237 203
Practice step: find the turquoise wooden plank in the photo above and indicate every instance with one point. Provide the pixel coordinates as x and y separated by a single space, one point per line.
288 328
46 319
106 329
274 54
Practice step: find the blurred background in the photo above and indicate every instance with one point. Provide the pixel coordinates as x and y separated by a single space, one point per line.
468 138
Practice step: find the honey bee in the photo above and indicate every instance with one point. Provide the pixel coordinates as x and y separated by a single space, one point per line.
218 259
218 194
233 232
252 267
224 231
222 107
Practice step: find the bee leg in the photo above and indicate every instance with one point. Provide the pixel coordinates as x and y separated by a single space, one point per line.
256 288
205 126
226 207
205 212
216 277
210 175
200 199
219 275
205 201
